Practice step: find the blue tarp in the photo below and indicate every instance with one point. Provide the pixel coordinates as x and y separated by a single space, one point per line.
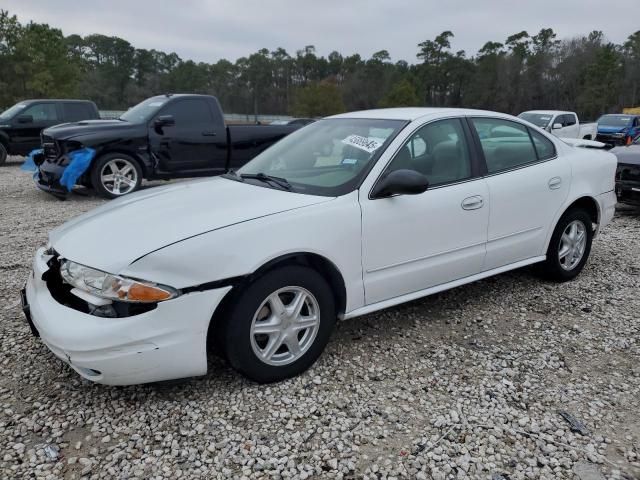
29 165
80 160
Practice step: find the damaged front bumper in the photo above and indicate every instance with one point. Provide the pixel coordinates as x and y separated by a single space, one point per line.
167 342
48 177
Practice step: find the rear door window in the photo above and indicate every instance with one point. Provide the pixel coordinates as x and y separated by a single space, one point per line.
74 112
506 145
189 112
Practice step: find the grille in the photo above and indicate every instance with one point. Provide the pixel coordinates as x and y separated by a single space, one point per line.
628 173
50 148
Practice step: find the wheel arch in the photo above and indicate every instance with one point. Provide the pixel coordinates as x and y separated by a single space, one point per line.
4 140
585 202
123 151
319 263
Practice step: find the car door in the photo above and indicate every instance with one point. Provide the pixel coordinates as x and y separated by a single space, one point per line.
413 242
528 183
571 127
196 144
27 125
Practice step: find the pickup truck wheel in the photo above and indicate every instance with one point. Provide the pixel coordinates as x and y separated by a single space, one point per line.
280 324
569 247
115 174
3 154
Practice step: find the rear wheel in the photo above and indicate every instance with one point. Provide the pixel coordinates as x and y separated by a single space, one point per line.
280 324
115 174
569 247
3 153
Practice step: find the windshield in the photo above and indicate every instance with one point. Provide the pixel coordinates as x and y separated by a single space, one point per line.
615 120
538 119
328 157
10 112
143 111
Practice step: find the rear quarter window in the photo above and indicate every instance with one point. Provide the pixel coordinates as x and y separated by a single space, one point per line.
544 147
74 112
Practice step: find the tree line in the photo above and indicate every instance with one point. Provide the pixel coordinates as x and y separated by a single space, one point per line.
588 74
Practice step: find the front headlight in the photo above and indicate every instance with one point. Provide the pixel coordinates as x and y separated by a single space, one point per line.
114 287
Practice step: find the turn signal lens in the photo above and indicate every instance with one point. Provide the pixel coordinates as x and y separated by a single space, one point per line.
144 293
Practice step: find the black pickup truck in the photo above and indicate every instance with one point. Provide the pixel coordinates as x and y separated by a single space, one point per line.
20 125
163 137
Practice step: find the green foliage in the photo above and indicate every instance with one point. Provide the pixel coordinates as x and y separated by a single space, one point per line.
523 71
318 100
34 61
402 94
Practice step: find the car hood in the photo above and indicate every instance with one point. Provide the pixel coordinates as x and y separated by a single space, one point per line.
113 236
66 131
629 155
609 129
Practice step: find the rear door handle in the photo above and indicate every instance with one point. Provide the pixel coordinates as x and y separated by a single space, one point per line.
208 133
473 203
555 183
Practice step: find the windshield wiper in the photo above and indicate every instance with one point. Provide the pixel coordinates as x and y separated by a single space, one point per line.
281 182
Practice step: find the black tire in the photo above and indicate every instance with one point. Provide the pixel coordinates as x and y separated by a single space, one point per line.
236 329
3 153
552 268
99 165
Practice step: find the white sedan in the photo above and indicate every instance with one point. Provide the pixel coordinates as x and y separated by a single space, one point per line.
349 215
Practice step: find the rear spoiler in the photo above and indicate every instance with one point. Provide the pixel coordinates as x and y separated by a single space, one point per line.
577 142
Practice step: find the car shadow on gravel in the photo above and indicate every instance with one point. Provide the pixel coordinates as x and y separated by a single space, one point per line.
12 161
441 311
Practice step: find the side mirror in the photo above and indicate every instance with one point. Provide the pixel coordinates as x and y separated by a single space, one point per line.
556 126
24 118
165 121
400 182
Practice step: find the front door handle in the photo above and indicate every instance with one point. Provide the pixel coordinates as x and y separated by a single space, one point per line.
209 133
473 203
555 183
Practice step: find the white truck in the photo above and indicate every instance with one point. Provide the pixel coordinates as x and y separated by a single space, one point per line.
561 124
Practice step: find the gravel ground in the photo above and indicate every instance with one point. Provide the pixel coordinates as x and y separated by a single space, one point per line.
469 383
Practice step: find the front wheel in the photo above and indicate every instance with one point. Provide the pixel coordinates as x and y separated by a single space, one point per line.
115 174
569 247
280 324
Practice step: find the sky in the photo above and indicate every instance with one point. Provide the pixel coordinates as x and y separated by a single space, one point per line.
208 30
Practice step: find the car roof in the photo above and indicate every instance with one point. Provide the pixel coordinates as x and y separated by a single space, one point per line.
549 112
628 115
33 100
414 113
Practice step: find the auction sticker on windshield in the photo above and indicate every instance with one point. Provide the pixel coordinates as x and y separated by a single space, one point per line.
368 144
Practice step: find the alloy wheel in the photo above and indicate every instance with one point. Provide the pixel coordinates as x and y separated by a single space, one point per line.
572 245
119 176
285 326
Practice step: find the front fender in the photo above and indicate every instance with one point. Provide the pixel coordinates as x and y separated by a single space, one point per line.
330 229
133 146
